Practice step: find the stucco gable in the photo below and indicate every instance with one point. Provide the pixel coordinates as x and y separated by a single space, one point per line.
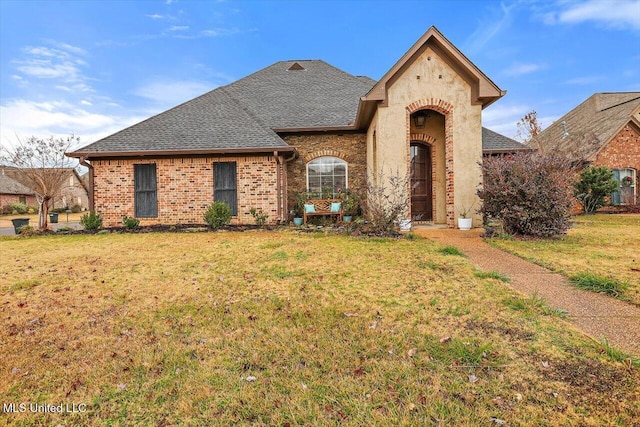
483 90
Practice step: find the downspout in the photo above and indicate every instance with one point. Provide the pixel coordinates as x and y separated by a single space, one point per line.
278 186
83 162
286 183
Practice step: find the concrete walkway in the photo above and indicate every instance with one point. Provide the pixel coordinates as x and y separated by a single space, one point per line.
595 314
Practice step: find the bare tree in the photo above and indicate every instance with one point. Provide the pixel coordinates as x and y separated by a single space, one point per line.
528 127
43 165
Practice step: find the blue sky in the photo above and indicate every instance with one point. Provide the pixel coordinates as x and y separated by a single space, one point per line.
95 67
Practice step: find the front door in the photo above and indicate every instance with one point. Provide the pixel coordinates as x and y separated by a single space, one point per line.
421 195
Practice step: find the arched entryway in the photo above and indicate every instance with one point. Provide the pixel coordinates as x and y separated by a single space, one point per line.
421 181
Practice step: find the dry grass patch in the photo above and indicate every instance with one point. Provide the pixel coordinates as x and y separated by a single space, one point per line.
605 247
284 329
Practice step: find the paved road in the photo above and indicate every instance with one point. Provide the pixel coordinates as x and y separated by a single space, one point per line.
595 314
9 231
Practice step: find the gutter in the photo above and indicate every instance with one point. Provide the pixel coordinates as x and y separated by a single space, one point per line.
165 153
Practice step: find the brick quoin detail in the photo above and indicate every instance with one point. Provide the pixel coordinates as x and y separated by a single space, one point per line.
446 110
430 141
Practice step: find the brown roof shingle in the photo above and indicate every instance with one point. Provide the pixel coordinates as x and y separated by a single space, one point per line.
583 131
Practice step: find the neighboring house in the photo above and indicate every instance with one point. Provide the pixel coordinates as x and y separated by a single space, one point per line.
304 125
602 131
494 144
11 191
72 192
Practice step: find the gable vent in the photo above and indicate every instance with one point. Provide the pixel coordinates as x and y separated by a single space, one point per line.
295 66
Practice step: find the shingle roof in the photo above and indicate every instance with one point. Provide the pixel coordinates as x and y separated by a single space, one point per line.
590 125
319 95
243 115
493 142
213 121
11 186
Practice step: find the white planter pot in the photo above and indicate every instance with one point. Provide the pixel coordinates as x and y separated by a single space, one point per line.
405 224
465 223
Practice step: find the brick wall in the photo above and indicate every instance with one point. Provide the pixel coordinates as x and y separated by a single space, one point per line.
350 147
5 199
623 151
185 188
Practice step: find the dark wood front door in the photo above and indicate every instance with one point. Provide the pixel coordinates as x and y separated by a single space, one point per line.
421 193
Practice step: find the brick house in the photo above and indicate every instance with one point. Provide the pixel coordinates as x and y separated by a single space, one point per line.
73 190
304 125
604 130
11 191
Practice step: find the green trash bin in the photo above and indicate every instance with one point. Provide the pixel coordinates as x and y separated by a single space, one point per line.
18 223
53 218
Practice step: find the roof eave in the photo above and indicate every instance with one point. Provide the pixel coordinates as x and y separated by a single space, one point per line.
185 153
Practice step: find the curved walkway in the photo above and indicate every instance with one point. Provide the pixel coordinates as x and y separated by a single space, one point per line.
595 314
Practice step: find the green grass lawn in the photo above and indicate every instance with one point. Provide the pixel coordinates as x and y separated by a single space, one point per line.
601 249
279 328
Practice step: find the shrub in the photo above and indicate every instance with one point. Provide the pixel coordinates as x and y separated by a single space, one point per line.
528 193
76 208
595 184
27 230
91 221
217 215
259 216
19 208
387 202
130 223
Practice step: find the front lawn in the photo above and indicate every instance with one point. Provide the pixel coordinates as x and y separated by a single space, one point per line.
599 247
279 328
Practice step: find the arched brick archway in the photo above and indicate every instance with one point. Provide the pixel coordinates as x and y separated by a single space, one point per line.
446 109
430 142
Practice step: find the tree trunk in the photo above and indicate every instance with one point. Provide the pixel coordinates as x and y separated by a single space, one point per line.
43 209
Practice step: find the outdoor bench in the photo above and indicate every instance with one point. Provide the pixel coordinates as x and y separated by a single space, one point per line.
317 207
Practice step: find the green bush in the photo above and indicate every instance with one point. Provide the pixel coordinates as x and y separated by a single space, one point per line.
76 208
259 216
19 208
595 184
130 223
91 221
217 215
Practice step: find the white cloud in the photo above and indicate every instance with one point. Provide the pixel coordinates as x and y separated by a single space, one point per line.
504 118
619 14
155 16
85 102
169 93
520 69
22 119
586 80
488 28
178 28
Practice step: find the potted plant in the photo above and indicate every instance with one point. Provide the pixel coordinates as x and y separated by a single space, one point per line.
465 223
298 208
350 205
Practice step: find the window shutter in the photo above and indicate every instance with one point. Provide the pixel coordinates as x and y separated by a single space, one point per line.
146 198
225 184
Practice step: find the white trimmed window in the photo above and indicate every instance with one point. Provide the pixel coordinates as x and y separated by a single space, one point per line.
327 175
626 194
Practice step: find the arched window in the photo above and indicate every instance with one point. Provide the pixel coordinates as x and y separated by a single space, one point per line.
325 175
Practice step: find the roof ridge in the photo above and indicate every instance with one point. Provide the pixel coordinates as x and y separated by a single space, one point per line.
622 103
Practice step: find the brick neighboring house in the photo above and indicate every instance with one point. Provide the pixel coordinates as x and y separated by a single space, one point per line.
304 125
11 191
604 130
72 192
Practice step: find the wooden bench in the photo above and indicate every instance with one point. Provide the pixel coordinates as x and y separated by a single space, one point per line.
322 207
